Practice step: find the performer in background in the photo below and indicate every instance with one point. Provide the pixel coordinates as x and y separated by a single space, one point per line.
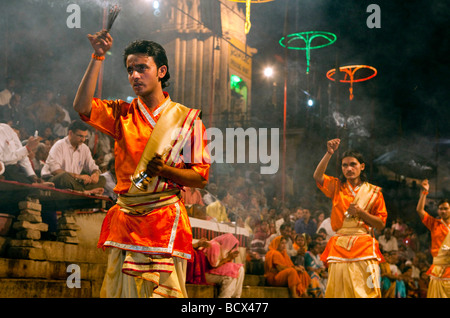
439 272
148 231
352 254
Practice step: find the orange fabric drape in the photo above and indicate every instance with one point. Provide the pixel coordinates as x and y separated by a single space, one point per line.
288 276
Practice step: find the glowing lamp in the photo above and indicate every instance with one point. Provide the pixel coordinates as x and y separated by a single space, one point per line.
268 72
350 72
303 41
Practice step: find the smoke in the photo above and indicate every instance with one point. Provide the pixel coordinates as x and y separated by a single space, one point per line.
41 49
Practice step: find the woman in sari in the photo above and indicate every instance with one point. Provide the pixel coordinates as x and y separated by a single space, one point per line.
392 286
280 271
316 270
220 253
301 248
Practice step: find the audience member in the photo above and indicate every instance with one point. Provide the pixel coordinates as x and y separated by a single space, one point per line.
322 233
217 209
319 217
301 248
209 193
15 156
197 267
280 271
61 126
286 231
192 196
388 242
424 281
306 224
221 252
110 180
45 112
38 158
7 110
326 225
391 284
399 228
411 284
70 164
316 270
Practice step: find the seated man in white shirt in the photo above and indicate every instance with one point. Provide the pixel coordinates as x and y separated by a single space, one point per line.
387 241
70 165
17 164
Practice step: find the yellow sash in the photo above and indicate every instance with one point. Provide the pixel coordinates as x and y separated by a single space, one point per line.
443 256
170 133
352 226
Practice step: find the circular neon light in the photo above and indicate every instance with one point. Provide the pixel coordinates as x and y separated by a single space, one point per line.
291 42
350 71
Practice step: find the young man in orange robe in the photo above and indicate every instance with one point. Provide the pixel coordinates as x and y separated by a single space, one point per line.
439 272
147 232
352 255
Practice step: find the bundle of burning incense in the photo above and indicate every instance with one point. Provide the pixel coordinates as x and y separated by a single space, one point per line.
112 15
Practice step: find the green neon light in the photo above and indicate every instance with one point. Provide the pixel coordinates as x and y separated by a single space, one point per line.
307 37
234 81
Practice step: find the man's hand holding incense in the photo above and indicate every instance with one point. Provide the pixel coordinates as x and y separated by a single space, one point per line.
425 185
101 42
155 166
333 145
184 177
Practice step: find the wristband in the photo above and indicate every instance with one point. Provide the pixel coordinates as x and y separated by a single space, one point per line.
424 192
98 57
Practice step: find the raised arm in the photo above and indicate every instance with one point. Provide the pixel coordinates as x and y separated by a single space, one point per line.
101 42
332 146
422 199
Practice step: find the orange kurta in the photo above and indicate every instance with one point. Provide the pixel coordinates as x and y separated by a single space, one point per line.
361 247
164 230
439 231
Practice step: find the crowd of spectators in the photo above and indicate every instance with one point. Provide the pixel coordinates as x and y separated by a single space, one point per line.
240 196
306 229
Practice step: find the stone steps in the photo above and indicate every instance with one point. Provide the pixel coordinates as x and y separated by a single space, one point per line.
254 287
45 274
20 278
46 288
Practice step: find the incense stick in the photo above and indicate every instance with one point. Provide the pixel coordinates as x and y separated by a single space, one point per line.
112 15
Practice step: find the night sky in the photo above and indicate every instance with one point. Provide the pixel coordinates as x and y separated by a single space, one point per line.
410 52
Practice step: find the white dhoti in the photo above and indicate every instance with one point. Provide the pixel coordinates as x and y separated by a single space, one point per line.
127 278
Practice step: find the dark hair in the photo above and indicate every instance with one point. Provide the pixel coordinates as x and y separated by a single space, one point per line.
358 156
77 125
322 229
312 245
152 49
443 201
285 225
